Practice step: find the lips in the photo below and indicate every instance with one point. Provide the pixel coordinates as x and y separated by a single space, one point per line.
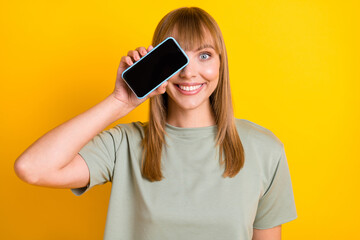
189 89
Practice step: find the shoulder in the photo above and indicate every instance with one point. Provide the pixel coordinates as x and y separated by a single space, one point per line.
133 132
134 129
263 149
256 135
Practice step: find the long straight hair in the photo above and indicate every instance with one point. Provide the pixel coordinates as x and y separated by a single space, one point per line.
192 25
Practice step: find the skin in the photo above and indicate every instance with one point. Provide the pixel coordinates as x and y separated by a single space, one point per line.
267 234
53 160
194 110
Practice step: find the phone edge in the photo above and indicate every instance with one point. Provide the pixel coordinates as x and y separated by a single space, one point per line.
187 58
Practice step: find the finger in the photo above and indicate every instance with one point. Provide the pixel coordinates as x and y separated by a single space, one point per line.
123 62
126 60
154 93
161 89
134 55
150 48
164 85
142 51
158 91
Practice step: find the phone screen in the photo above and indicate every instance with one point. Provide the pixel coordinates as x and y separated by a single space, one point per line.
161 63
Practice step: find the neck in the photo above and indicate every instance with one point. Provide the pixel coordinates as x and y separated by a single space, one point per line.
190 118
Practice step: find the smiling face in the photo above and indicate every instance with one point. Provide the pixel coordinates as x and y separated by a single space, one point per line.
191 88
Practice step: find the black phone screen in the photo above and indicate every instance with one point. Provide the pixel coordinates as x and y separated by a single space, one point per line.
154 68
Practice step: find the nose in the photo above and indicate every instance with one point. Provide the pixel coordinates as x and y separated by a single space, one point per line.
189 71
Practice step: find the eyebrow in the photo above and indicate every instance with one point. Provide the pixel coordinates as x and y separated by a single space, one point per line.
205 46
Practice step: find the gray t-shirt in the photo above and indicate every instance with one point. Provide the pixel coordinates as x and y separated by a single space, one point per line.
194 201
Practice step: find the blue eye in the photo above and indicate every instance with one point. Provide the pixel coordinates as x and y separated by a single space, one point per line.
204 56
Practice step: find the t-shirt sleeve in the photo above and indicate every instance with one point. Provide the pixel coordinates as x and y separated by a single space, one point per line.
277 205
100 156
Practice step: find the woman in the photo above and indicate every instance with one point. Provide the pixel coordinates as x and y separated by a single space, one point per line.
192 171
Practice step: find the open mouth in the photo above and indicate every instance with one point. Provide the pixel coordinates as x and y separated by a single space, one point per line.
189 88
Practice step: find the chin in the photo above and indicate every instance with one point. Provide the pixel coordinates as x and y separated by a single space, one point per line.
191 105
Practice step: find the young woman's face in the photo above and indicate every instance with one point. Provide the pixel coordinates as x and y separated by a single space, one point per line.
191 87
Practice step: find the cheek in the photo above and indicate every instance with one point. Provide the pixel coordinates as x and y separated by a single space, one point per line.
211 72
174 77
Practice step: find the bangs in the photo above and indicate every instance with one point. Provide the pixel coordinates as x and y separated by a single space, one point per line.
191 27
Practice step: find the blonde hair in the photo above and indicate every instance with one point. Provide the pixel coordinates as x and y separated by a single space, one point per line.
193 24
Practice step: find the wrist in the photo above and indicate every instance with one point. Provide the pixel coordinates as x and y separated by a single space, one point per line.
120 108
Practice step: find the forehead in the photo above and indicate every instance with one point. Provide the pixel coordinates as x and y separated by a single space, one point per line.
194 40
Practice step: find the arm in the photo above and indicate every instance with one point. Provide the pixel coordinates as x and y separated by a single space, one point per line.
53 160
267 234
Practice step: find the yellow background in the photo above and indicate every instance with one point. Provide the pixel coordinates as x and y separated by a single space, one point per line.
294 69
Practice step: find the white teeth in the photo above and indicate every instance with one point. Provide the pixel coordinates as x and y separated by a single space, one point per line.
190 88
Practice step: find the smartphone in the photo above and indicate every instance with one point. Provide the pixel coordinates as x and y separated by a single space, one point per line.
156 67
